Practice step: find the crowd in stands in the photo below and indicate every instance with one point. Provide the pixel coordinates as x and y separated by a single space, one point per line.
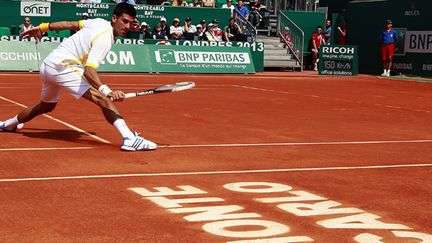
187 30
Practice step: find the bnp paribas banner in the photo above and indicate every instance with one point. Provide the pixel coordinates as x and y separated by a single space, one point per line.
27 56
190 59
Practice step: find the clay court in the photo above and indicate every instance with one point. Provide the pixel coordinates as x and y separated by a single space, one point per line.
271 157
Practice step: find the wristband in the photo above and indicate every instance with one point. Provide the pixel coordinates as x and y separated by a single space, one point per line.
104 89
44 27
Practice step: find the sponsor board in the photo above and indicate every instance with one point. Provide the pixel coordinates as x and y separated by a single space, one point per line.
27 56
40 9
204 60
338 60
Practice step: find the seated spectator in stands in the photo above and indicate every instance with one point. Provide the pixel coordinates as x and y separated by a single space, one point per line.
179 3
200 32
217 31
231 30
145 30
163 25
203 25
86 1
254 14
287 37
159 34
26 25
195 4
189 27
175 30
85 16
242 9
208 3
209 34
158 2
132 2
318 39
135 25
229 5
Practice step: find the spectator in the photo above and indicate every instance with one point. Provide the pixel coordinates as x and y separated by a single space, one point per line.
342 33
216 30
163 25
243 11
175 30
145 30
388 40
231 30
208 3
318 39
158 2
159 34
254 15
26 25
195 4
132 2
135 25
199 33
328 31
179 3
288 38
229 5
189 27
209 34
203 25
85 16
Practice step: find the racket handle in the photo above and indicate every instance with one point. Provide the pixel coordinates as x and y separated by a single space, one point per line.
130 95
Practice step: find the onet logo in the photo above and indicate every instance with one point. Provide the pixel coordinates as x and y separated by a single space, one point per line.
36 9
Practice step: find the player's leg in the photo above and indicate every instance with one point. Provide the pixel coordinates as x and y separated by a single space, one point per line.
50 95
131 140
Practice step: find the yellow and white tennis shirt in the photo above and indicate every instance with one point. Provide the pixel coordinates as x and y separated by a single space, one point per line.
87 47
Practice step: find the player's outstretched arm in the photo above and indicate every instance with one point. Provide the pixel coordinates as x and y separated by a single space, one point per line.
38 31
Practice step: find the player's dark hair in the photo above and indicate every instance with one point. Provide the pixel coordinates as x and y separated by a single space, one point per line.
124 8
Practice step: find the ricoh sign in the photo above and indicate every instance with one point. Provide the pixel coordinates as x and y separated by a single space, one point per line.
36 9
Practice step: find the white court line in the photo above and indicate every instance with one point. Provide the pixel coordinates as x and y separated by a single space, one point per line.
61 122
214 172
295 143
44 149
337 99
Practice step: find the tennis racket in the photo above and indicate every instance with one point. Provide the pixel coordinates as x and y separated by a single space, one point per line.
165 88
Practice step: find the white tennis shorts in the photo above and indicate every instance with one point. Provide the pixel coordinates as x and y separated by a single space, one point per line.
69 79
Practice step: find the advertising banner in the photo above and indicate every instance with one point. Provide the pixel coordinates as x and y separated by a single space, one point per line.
27 56
187 59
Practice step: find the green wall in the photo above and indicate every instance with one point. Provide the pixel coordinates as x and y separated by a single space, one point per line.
407 16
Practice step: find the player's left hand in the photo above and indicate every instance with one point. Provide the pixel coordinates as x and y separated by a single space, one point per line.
116 96
33 32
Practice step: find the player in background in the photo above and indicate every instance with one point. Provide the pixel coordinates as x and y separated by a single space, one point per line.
388 39
72 67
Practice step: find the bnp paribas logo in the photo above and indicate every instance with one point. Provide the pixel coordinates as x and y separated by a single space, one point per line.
165 56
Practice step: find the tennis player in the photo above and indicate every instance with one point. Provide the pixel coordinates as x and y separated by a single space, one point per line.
72 67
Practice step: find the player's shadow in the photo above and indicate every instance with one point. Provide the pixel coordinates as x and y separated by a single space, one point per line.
60 134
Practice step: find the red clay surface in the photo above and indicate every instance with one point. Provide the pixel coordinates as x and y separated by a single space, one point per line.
361 144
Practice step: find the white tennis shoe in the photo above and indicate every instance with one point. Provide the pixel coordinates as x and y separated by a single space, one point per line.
4 129
137 144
